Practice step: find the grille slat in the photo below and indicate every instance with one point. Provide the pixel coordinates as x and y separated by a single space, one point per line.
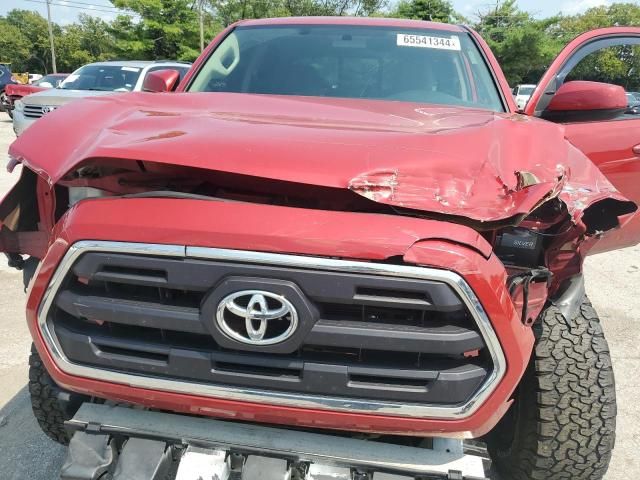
447 379
33 111
447 340
131 312
387 338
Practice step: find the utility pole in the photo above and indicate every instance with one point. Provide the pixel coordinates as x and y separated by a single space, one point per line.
200 2
53 48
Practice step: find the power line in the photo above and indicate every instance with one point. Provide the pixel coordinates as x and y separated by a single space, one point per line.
93 9
75 2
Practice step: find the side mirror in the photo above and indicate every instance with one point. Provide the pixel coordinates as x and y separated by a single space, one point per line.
161 81
582 101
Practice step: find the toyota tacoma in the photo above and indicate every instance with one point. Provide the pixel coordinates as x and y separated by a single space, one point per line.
340 239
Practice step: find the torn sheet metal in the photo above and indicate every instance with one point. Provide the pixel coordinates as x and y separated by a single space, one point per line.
476 164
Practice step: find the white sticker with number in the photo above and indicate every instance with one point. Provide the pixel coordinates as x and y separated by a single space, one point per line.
423 41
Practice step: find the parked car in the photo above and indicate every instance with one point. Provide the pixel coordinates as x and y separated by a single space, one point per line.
335 225
18 90
34 77
6 78
633 104
522 94
95 79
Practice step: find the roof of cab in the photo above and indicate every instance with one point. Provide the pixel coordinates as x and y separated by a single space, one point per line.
364 21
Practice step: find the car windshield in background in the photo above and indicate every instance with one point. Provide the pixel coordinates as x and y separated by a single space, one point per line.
108 78
526 90
423 66
49 80
631 99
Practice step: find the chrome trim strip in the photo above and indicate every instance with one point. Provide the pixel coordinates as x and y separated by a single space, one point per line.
274 397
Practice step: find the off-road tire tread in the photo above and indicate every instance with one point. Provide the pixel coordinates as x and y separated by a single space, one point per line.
567 425
47 409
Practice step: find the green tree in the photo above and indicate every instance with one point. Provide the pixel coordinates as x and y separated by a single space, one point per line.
617 14
14 45
88 40
617 64
34 27
167 29
520 42
432 10
96 37
229 11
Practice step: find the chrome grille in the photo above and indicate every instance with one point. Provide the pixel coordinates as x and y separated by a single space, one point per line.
37 111
410 340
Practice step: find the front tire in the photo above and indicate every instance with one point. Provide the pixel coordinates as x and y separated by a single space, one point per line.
51 406
562 422
4 100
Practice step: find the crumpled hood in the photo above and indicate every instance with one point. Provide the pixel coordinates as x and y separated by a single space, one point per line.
453 161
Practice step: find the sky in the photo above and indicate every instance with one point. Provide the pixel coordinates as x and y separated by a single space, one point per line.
66 11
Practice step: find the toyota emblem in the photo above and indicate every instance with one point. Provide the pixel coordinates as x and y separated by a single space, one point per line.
256 317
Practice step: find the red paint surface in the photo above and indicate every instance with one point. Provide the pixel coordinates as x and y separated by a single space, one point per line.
608 144
585 96
401 154
566 54
251 227
19 90
465 163
161 80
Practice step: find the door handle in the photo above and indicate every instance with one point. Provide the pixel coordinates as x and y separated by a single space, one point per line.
636 149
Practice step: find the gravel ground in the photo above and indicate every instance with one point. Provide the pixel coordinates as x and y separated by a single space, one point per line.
25 453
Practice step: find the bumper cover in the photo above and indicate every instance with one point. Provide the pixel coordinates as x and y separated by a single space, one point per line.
365 405
21 122
258 445
417 240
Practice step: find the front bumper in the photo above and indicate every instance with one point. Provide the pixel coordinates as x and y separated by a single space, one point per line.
94 364
319 234
21 122
251 452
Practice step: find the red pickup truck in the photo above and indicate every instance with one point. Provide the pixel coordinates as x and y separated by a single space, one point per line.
16 91
334 225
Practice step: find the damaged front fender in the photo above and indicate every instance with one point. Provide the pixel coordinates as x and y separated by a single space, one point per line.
490 194
478 168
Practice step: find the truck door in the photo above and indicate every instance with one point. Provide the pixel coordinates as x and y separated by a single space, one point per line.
610 55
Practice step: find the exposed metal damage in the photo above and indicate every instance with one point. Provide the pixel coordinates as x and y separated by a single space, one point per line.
552 193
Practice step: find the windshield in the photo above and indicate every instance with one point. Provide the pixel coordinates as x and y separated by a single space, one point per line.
526 90
106 78
420 65
53 80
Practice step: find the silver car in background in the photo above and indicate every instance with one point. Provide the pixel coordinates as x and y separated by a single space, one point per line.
103 78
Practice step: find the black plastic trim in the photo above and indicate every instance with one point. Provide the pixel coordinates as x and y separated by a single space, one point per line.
131 312
446 340
446 382
359 336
